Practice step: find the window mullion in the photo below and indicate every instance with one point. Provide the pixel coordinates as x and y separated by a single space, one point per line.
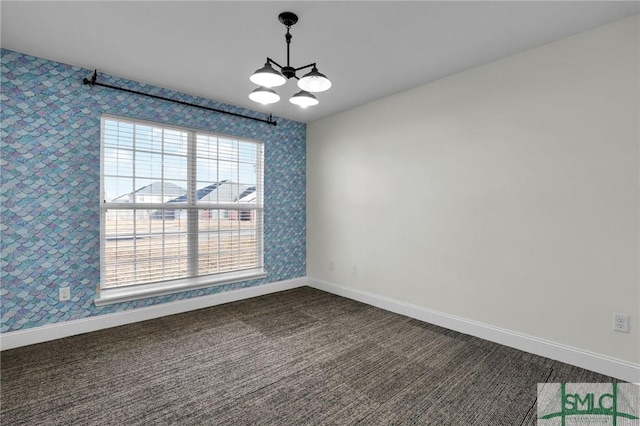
260 204
192 212
135 211
164 218
219 242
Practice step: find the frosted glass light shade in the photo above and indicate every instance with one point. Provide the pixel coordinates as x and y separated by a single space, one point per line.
303 99
264 96
314 81
267 77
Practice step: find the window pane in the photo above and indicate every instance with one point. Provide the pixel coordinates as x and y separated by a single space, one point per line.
227 149
174 192
118 162
207 146
175 142
228 171
118 189
118 135
247 173
144 139
207 170
248 152
174 167
148 165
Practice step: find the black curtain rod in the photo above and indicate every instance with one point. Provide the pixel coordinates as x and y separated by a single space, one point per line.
93 82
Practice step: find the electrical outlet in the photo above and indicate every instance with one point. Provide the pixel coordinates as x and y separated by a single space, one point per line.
64 294
331 265
353 270
621 322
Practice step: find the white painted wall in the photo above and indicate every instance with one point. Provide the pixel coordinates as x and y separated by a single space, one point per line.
507 194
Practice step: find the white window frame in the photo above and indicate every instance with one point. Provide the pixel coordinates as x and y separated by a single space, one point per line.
130 292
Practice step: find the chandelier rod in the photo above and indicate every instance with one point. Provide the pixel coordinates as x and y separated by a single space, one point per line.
288 37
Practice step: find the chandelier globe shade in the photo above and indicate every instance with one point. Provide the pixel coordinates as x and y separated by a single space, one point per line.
303 99
267 77
264 96
314 81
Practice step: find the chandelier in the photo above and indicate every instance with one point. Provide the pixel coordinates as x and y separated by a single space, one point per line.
267 77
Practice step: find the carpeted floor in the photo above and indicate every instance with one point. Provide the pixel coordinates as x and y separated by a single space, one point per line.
300 357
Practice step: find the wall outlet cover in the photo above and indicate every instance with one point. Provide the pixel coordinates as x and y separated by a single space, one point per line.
64 294
621 322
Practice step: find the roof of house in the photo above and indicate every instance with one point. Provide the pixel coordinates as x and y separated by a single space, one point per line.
217 192
157 188
226 192
221 192
200 193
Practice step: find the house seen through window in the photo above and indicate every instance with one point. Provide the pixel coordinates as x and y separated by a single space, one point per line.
177 203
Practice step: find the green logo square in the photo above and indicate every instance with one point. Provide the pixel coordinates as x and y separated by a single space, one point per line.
565 404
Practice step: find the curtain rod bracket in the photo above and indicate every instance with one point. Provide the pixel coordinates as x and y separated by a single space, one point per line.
94 77
94 82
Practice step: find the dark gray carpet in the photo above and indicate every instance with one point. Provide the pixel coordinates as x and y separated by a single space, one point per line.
300 357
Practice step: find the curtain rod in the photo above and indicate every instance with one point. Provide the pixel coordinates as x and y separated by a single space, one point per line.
93 82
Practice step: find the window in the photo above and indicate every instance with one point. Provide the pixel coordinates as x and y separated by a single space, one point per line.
180 209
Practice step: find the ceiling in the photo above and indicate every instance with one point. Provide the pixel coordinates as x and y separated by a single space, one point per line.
367 49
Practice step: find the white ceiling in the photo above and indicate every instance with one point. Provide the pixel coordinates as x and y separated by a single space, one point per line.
367 49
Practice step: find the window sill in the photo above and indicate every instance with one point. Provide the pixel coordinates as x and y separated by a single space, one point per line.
125 294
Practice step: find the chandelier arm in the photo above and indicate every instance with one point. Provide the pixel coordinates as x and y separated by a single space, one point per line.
274 63
306 66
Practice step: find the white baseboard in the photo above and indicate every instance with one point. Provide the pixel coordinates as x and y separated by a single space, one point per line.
591 361
14 339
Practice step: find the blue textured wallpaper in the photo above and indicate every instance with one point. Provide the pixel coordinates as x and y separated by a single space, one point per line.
50 181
